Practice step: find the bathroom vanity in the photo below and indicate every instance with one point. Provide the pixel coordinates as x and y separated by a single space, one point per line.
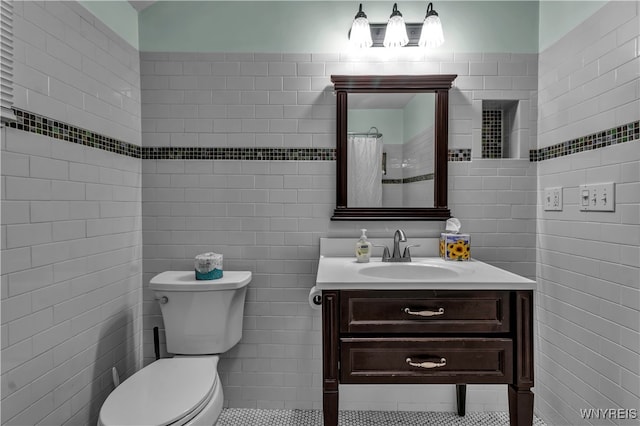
428 321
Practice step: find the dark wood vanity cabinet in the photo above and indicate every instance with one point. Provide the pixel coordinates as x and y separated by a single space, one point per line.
429 336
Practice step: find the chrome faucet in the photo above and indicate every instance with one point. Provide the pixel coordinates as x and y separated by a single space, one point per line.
398 237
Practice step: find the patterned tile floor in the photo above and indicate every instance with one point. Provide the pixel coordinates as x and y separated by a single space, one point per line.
253 417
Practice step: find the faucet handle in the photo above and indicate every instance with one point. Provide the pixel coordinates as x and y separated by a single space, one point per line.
407 254
385 252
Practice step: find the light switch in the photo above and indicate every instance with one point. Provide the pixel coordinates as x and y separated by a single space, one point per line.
597 197
584 197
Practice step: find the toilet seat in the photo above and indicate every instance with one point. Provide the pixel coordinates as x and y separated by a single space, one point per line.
170 391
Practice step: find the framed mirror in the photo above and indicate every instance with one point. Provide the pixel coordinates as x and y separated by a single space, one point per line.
391 148
399 128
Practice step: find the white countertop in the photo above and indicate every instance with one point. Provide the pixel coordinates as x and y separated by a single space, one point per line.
344 273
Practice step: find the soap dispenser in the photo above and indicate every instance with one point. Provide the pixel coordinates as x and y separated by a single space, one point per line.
363 248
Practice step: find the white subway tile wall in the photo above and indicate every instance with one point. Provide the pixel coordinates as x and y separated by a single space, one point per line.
74 218
71 67
71 221
71 276
589 79
267 216
588 262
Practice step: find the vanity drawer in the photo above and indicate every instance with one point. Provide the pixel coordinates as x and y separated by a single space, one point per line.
424 311
436 360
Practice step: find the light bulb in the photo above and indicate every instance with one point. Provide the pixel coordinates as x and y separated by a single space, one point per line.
396 32
360 34
431 35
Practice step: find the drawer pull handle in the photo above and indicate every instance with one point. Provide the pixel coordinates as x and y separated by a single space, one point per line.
424 313
428 364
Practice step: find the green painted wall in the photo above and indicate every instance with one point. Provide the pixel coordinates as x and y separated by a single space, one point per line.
316 26
388 122
118 15
397 125
266 26
557 18
418 114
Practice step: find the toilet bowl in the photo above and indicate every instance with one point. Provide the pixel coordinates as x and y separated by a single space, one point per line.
177 391
202 319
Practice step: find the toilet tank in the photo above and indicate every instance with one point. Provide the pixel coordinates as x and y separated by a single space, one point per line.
201 317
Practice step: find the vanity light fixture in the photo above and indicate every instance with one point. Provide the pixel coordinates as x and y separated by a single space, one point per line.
396 32
431 34
360 33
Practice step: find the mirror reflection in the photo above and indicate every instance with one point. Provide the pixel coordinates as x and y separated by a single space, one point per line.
390 149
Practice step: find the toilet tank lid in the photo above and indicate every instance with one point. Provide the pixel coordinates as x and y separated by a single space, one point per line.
186 281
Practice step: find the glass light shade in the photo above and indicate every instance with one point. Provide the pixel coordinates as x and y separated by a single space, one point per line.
360 35
396 33
431 35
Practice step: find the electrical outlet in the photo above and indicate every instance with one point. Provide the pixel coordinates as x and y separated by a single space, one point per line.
597 197
553 199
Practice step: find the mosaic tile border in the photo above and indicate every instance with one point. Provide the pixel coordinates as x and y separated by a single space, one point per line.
258 154
616 135
35 123
41 125
419 178
463 154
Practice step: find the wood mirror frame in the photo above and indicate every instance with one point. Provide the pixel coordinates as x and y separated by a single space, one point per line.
439 84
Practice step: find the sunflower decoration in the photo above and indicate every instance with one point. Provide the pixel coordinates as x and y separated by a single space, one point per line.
459 250
467 252
441 248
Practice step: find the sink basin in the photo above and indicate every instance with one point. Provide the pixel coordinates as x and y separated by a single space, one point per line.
342 272
408 271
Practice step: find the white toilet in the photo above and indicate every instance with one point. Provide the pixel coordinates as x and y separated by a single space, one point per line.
201 319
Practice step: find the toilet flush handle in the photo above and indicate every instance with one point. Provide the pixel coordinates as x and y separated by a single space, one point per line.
162 300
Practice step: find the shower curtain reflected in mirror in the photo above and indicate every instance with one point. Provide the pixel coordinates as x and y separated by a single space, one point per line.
364 170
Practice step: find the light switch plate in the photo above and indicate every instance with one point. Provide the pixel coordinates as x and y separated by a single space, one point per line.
597 197
552 199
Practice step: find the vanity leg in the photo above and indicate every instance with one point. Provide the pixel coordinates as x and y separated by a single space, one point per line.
520 406
520 395
330 408
461 398
330 355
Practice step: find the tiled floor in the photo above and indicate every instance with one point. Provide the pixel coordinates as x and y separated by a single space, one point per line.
253 417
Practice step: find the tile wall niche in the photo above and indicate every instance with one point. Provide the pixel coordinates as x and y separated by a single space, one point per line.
492 132
589 298
267 216
501 130
71 218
